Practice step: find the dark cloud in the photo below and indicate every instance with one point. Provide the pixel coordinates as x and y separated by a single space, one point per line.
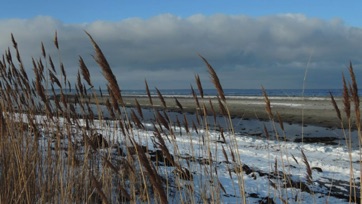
274 51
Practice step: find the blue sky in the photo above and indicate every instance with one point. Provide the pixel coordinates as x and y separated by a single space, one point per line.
249 43
80 11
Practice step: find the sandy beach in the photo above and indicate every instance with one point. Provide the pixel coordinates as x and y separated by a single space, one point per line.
307 111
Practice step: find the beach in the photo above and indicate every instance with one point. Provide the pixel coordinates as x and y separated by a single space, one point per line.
296 110
266 163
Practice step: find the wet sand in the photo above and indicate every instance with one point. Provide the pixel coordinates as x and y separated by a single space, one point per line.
307 111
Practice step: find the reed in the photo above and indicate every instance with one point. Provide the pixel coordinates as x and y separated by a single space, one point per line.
215 79
85 72
308 168
199 85
195 97
179 105
60 148
107 71
148 93
267 104
161 98
335 106
139 108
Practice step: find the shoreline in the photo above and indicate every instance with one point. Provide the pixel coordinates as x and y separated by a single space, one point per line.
303 111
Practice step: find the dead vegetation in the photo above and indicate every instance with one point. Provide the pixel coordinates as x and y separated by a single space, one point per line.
52 149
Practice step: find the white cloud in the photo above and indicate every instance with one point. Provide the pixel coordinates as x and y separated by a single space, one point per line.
265 49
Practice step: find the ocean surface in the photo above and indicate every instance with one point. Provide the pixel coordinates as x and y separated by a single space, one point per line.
243 92
228 92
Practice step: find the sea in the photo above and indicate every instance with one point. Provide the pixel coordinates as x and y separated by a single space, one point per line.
322 93
243 92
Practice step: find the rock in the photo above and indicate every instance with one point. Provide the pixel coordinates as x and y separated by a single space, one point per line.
253 195
98 141
266 200
246 169
158 157
317 169
325 140
258 134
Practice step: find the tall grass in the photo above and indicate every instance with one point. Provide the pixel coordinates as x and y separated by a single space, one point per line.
59 148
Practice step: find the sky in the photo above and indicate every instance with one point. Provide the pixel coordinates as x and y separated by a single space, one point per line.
270 43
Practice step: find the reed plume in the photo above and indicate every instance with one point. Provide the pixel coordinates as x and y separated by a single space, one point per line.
56 40
63 72
15 45
54 79
79 84
309 170
162 145
148 93
136 120
346 98
162 120
107 71
43 50
215 79
139 109
195 97
335 106
114 100
85 71
281 124
355 97
267 103
161 98
199 86
51 63
354 90
178 104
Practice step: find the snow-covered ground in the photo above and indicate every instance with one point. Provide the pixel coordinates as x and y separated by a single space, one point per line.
272 169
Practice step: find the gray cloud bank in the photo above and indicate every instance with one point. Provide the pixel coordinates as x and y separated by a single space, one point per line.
273 51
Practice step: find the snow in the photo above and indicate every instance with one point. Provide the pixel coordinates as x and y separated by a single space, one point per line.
270 161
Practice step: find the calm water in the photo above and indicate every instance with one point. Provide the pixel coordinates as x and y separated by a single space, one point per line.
232 92
245 92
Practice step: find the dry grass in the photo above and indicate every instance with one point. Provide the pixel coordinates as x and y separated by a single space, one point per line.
215 79
107 71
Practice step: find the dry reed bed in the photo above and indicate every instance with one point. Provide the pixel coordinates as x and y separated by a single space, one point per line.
61 157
